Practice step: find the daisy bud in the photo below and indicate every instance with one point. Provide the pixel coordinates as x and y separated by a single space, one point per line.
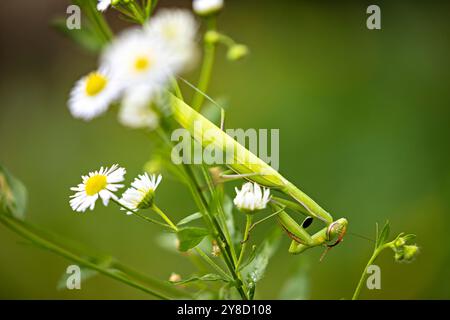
407 253
207 7
141 193
174 277
236 52
251 198
400 242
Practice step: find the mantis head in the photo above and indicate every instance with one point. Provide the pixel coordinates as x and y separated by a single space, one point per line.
336 230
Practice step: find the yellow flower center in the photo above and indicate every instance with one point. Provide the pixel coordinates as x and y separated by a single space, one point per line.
95 184
142 64
95 83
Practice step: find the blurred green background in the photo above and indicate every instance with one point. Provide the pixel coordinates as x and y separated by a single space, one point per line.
364 129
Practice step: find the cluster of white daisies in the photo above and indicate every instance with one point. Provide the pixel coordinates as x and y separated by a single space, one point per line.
135 68
105 182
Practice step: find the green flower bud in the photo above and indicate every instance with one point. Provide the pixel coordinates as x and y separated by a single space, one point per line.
406 253
410 252
236 52
212 37
400 242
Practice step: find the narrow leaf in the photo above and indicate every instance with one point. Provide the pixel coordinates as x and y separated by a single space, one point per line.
190 237
13 194
409 237
206 277
254 271
84 37
190 218
384 234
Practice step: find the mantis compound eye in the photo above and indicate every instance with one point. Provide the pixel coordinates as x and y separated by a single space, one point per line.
307 222
337 230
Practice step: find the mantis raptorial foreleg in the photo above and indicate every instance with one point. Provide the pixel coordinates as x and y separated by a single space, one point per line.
302 240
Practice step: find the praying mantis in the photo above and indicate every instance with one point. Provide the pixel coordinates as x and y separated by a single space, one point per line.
250 167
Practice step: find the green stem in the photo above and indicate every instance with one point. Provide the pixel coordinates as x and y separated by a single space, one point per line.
148 9
137 12
165 217
152 282
266 218
176 89
211 222
138 214
219 236
17 227
209 50
248 224
364 273
100 22
214 193
212 263
198 250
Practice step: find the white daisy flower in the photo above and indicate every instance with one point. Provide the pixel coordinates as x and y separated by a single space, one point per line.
178 28
141 193
101 183
251 197
205 7
137 58
92 95
135 111
102 5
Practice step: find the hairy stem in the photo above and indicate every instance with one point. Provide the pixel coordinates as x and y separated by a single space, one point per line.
248 224
364 273
209 51
42 242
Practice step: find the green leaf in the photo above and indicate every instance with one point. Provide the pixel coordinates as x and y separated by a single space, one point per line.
84 37
254 271
94 33
206 277
190 218
13 194
384 234
190 237
250 258
297 286
409 237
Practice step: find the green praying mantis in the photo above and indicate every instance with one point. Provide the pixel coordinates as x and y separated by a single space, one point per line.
247 165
